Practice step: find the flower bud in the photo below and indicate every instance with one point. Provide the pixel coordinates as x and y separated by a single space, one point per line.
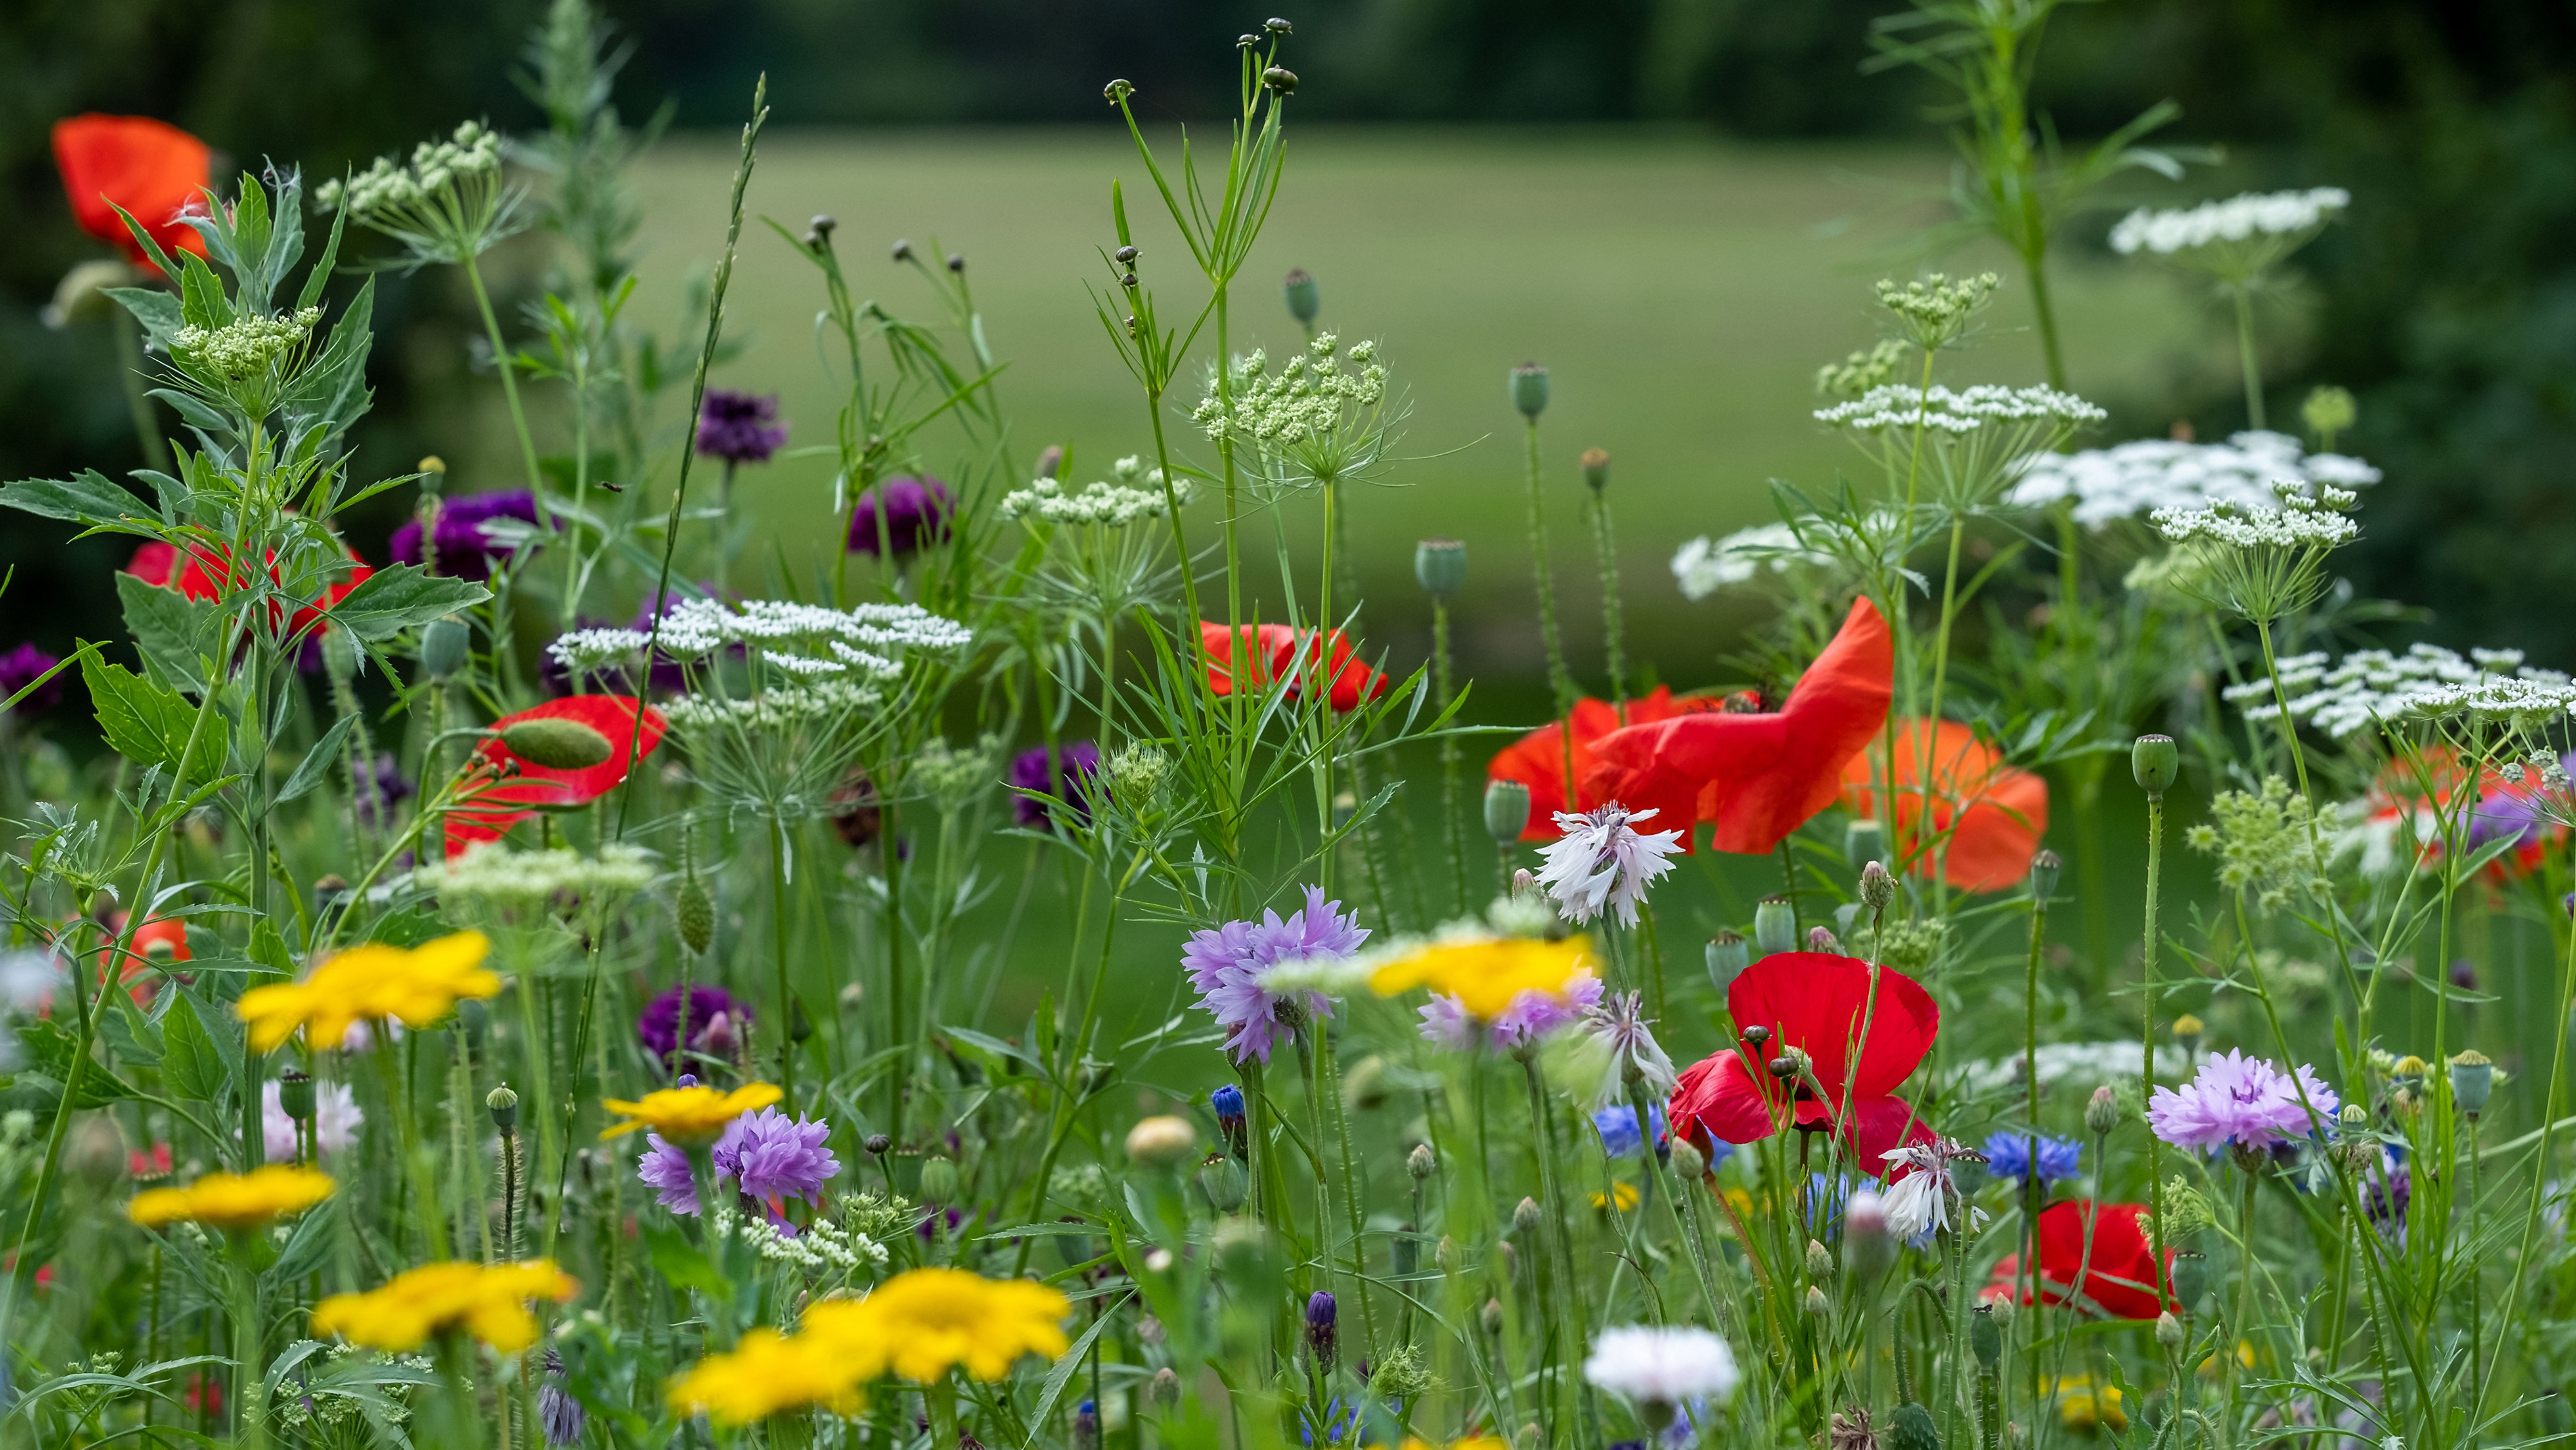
1166 1387
2328 410
1877 888
878 1144
2102 1112
1525 1218
1507 810
1775 926
1281 80
1421 1163
2190 1277
504 1105
2156 762
1492 1317
2187 1029
1529 390
1728 956
1304 298
1869 1249
1221 1179
1162 1141
443 646
1445 1254
1985 1337
1689 1164
1822 939
2043 875
695 911
1911 1428
1817 1303
2353 1118
2472 1081
1820 1261
1596 468
2169 1330
938 1179
1227 1101
957 263
1440 567
295 1095
556 744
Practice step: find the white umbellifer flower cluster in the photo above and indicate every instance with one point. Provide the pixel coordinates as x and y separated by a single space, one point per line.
806 640
474 151
2371 686
1303 400
2299 521
584 651
820 1247
2072 1065
1704 566
1138 494
2138 477
2237 219
493 873
246 347
1668 1365
783 708
1968 410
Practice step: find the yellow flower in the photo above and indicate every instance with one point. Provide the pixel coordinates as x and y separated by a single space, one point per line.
765 1375
489 1302
1623 1194
2081 1405
925 1322
230 1201
1484 976
417 985
690 1117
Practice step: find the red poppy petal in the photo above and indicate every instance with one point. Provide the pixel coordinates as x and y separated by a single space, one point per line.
1816 1002
531 784
1718 1096
2119 1275
1877 1127
150 168
154 563
464 830
1537 760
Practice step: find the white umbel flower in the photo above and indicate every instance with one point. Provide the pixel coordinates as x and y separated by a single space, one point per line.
1604 863
1703 566
2237 219
2371 687
2138 477
1663 1366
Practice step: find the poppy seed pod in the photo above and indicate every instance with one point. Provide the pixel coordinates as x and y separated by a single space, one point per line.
1727 956
2156 761
1304 298
2043 875
1775 926
504 1106
2472 1081
1864 840
1529 390
939 1179
443 646
2190 1278
1595 463
295 1095
556 743
1440 566
1985 1337
1507 807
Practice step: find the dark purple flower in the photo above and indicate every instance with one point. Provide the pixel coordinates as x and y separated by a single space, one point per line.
2386 1193
1076 762
2464 975
561 1414
464 550
380 790
916 516
19 668
1323 1334
739 427
713 1015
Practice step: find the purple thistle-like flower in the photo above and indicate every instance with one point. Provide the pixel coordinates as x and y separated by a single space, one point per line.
1076 762
917 511
1225 966
768 1155
739 427
2386 1193
19 668
2008 1155
659 1025
2241 1100
1532 1015
464 550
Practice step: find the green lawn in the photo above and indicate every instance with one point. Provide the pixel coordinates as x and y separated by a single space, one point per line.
1681 289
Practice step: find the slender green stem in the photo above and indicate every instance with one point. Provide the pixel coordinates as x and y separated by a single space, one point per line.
2247 359
1605 550
503 362
1452 810
1560 682
778 935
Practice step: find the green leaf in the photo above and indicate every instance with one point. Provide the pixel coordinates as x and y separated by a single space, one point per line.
1070 1361
407 928
175 633
156 309
133 1040
269 949
91 498
317 761
192 1067
680 1261
228 1044
402 595
304 1251
149 723
52 1048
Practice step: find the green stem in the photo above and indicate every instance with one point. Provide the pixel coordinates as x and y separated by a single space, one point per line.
2245 355
1560 683
778 935
510 390
1453 819
1605 551
129 353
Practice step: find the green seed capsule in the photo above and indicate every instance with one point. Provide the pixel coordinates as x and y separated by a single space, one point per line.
2156 762
1440 566
443 646
1305 300
556 744
1529 390
1507 810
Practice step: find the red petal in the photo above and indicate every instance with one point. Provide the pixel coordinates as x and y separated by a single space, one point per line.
2000 812
1877 1126
154 563
1815 1001
499 804
2119 1277
1537 760
1718 1097
148 167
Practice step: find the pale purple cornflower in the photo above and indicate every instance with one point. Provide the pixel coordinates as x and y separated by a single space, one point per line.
2241 1100
1532 1015
1621 1024
769 1156
1603 863
336 1119
1226 964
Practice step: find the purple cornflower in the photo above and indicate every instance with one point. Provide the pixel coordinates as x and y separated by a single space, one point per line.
2386 1193
1531 1016
561 1414
1226 966
381 790
659 1026
2507 816
19 668
1227 1100
1323 1333
917 511
1076 762
769 1156
2008 1155
463 548
739 427
2241 1100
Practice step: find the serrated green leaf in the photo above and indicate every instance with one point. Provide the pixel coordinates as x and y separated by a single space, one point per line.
89 498
156 309
149 723
400 596
192 1066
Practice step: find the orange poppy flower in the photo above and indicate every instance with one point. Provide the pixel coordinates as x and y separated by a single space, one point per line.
2422 800
204 573
1994 813
152 169
509 787
1758 775
1277 649
1537 760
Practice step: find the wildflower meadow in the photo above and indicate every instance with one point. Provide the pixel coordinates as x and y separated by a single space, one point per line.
559 975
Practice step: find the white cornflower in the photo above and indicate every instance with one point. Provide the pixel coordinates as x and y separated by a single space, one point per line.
2237 219
2140 476
1919 1202
1661 1368
1604 862
1703 567
1619 1023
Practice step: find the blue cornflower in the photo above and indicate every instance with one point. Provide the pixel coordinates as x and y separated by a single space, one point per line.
1618 1127
2008 1156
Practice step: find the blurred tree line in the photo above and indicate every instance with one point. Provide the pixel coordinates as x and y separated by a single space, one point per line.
2448 304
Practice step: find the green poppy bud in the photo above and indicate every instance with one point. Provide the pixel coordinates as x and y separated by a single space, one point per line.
1911 1428
443 646
504 1105
1775 926
1985 1337
1529 390
2043 875
1596 468
1440 566
1507 810
2156 762
1304 299
1864 841
556 744
1689 1164
1728 956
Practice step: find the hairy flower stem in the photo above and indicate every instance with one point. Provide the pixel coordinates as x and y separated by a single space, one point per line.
2524 1264
502 361
2246 357
1560 683
1561 1224
778 935
1452 814
2030 1174
2147 1031
1605 551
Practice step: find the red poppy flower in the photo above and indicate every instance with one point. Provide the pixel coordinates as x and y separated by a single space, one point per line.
2119 1277
1759 776
2424 799
1816 1002
1276 649
1537 760
153 170
1993 813
508 788
204 572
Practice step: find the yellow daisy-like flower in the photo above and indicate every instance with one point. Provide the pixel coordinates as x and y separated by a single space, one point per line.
2084 1406
1484 976
1622 1194
925 1322
415 985
488 1301
689 1117
233 1201
767 1374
